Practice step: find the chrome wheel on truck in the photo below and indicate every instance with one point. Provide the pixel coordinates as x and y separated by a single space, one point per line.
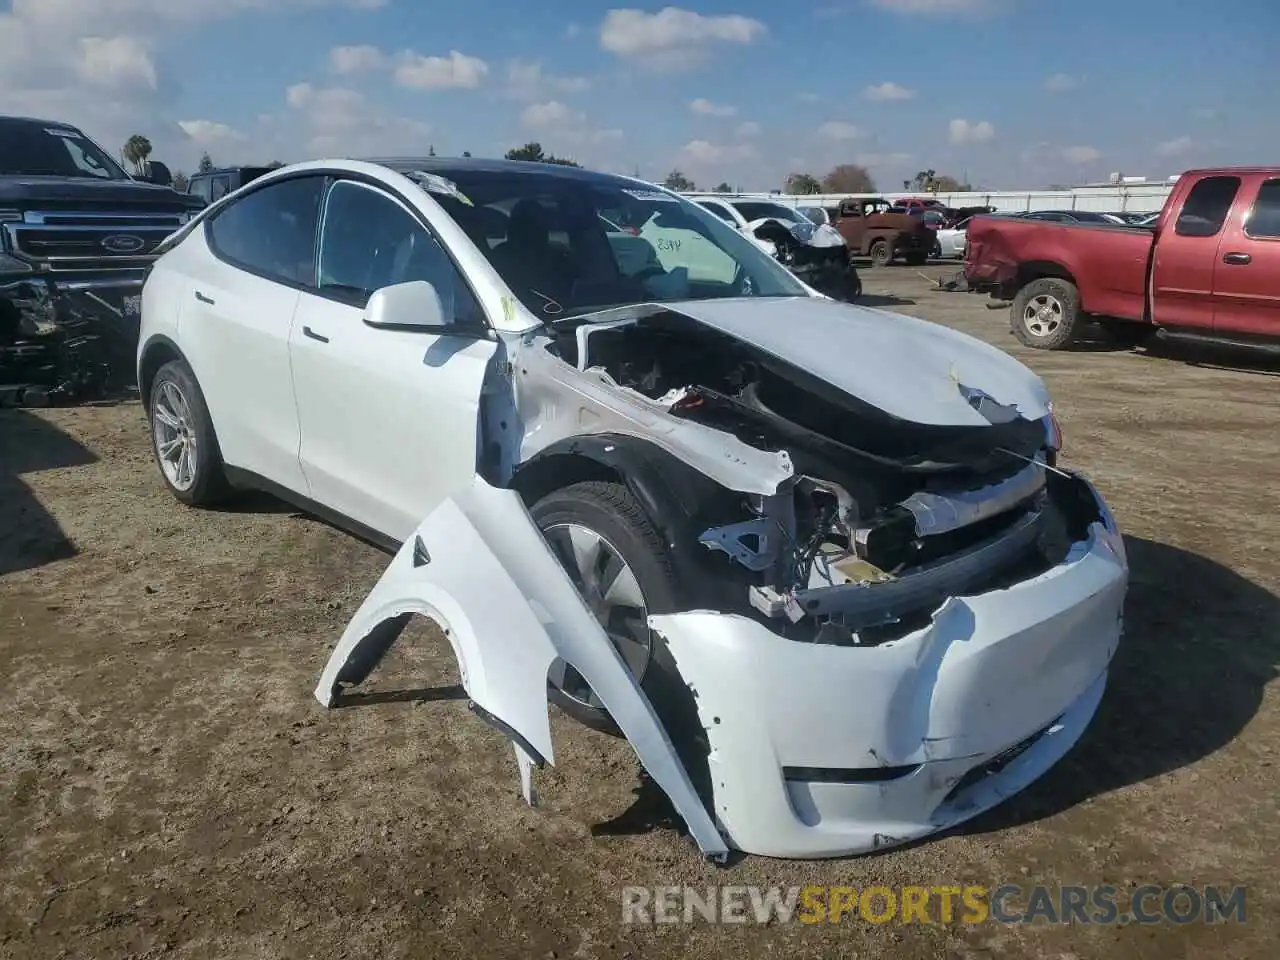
1045 313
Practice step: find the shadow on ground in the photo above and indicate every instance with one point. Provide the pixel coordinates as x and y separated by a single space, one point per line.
29 535
1215 356
1200 645
881 300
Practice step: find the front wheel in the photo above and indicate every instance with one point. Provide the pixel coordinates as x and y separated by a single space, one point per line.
881 253
1046 313
616 559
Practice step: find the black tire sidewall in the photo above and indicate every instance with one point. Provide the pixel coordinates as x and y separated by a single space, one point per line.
1066 293
610 510
210 485
881 253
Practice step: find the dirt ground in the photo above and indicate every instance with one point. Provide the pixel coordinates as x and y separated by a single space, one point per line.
168 785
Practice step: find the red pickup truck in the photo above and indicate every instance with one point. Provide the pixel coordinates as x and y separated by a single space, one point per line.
1208 269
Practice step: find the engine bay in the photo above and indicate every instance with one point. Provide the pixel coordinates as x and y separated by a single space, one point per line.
886 517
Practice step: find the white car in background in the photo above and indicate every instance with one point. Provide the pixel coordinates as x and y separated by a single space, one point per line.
818 563
950 241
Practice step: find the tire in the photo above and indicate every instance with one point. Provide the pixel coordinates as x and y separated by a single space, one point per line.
936 253
176 412
881 253
609 511
917 259
1046 313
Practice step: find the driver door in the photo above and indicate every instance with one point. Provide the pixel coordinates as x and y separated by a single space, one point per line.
389 418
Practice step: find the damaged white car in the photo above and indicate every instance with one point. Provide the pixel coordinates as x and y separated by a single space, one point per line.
816 562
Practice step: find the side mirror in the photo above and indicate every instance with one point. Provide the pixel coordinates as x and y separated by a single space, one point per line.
157 172
416 306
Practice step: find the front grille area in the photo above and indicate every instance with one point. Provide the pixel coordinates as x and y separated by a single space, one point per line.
73 240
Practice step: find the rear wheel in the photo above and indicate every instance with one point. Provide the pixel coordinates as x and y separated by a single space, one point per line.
616 559
182 437
881 253
1045 313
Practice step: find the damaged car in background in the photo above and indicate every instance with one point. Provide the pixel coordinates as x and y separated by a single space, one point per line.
814 252
818 563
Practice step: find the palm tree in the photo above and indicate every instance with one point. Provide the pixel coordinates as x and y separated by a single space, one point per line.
136 150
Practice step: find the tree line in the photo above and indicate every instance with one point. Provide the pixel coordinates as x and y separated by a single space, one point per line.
843 178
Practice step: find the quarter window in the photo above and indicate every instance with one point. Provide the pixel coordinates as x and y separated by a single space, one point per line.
1207 206
1264 219
272 231
370 241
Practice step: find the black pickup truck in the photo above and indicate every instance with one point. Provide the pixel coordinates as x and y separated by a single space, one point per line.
77 234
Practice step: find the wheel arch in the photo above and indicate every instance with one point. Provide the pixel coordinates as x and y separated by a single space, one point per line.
1043 270
158 351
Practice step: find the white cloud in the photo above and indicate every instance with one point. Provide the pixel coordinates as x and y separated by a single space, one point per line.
962 131
887 91
210 134
358 59
554 119
747 129
1176 147
92 15
527 80
839 130
1081 154
339 121
116 62
706 108
673 37
938 6
1061 83
456 71
697 153
573 30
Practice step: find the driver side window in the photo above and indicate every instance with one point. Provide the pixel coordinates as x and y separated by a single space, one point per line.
369 241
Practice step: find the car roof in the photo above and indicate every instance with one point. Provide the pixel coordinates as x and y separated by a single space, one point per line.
453 166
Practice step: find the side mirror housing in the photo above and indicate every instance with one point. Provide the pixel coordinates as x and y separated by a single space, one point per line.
156 172
416 306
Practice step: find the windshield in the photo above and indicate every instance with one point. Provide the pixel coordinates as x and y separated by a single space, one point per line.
568 245
39 150
760 209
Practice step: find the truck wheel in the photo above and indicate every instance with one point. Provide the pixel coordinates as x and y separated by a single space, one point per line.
937 250
1045 313
881 253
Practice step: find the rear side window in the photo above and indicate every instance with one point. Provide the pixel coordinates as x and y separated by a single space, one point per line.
272 231
1264 219
1207 206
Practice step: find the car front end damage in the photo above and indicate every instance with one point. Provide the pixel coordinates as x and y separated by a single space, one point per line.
897 608
816 253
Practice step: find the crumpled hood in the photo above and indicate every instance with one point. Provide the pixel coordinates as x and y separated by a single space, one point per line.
909 368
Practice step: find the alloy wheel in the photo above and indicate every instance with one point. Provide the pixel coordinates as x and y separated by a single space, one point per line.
174 435
610 588
1043 315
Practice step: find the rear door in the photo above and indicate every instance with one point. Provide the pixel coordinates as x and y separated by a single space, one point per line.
235 328
1186 254
1246 276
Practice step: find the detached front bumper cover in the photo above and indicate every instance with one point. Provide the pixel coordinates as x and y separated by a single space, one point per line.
815 750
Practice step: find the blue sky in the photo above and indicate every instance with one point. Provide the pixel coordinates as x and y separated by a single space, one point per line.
1010 93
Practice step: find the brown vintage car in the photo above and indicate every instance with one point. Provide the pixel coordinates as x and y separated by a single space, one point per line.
870 230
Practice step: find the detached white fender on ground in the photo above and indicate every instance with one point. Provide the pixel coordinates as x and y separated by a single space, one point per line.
480 568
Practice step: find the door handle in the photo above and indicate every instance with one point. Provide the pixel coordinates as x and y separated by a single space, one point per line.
308 332
203 299
1240 259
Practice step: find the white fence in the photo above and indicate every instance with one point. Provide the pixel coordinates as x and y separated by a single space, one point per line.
1124 198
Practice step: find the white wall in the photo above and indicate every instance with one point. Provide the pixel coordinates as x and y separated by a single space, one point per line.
1136 198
